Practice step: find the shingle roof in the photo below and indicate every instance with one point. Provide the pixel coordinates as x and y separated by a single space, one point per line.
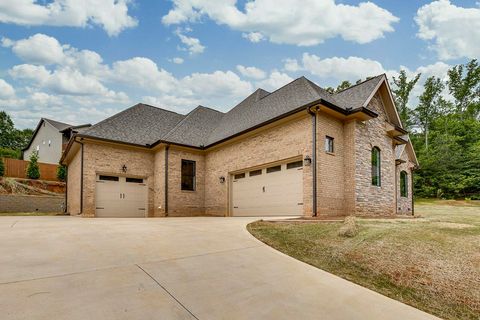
356 95
145 125
57 124
141 124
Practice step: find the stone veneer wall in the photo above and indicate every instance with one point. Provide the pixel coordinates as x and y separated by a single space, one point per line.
371 199
404 204
107 159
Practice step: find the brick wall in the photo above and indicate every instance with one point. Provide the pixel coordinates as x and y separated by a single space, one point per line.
20 203
404 204
73 184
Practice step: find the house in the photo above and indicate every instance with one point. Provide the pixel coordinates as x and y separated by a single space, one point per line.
296 151
48 140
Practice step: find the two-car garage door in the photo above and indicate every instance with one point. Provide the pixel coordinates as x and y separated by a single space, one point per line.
276 190
120 196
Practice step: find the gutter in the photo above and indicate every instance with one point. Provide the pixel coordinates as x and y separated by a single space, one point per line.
167 147
81 179
314 160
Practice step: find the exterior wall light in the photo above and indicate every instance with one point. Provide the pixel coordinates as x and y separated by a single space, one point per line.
307 161
222 179
124 168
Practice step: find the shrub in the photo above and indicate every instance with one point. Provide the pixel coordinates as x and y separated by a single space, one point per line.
9 153
349 228
33 170
61 172
2 168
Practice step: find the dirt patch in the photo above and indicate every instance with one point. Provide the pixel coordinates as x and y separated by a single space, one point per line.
16 186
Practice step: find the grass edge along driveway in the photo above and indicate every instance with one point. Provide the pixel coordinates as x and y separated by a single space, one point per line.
431 263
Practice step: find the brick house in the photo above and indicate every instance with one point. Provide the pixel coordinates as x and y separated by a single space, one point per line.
296 151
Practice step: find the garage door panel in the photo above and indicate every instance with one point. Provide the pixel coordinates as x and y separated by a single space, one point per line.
269 194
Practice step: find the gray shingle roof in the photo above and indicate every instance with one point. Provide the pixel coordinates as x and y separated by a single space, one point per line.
141 124
356 95
57 124
145 125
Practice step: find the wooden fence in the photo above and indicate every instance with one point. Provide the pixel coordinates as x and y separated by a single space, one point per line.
18 169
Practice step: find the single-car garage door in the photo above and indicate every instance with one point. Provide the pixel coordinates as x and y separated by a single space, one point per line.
276 190
120 197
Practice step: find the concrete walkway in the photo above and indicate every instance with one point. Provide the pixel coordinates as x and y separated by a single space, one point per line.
174 268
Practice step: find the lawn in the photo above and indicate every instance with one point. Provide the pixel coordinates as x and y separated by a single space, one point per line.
431 263
32 214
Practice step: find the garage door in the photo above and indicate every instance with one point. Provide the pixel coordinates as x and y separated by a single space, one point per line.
271 191
120 197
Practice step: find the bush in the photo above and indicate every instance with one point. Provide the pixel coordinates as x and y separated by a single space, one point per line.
2 168
33 170
349 228
9 153
61 172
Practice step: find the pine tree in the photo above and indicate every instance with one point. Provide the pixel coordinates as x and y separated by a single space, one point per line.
61 172
33 170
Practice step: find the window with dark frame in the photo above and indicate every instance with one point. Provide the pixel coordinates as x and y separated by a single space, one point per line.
329 144
134 180
296 164
188 175
239 175
376 161
403 184
274 169
107 178
255 173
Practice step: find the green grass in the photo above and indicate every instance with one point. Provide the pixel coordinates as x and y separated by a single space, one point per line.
431 263
32 214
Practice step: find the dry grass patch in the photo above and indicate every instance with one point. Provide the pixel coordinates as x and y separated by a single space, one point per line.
431 263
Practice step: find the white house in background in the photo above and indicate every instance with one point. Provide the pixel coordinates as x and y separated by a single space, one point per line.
49 139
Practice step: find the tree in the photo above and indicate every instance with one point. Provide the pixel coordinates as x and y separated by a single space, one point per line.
2 168
61 172
430 100
7 131
344 85
33 170
465 88
401 91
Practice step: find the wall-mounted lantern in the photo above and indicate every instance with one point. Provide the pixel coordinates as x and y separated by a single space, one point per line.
307 161
222 179
124 168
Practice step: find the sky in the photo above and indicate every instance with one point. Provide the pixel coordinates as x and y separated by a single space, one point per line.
80 61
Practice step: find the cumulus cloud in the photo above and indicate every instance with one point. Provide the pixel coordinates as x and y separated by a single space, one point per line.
251 72
192 45
177 60
275 80
308 24
38 48
111 15
6 90
453 31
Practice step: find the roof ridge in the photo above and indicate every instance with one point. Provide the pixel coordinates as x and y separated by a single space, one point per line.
310 86
47 119
149 105
357 84
185 117
115 115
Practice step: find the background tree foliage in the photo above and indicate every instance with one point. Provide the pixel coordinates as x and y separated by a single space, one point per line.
12 140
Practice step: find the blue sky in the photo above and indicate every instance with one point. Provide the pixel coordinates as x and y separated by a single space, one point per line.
81 61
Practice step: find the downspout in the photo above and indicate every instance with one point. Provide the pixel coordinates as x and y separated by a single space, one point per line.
66 190
314 160
166 180
81 179
413 205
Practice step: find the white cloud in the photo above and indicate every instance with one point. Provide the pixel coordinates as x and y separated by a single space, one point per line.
38 49
111 15
6 90
253 36
274 81
177 60
193 45
291 65
251 72
310 23
453 31
351 68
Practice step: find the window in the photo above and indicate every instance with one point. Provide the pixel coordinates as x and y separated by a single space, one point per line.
328 144
403 184
108 178
255 173
38 148
239 176
134 180
49 143
296 164
188 175
376 166
274 169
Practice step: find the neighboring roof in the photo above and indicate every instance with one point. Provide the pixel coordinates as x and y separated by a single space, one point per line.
60 126
141 124
203 127
399 151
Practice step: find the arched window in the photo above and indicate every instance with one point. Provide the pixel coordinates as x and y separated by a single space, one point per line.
403 184
376 166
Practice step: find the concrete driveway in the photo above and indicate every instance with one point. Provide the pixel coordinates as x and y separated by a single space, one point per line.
173 268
